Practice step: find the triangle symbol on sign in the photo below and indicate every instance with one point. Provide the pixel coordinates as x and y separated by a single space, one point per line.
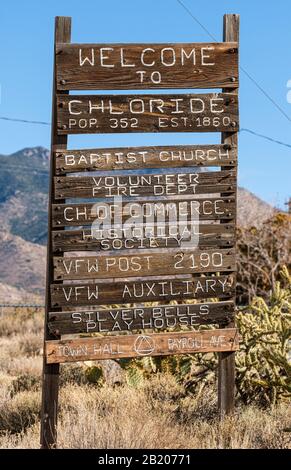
144 344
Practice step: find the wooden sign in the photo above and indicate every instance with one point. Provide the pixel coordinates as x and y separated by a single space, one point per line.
130 66
143 237
152 289
144 211
157 318
164 233
135 158
144 184
144 264
91 114
111 347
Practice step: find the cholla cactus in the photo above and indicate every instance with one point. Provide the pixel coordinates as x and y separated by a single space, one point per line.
263 364
264 360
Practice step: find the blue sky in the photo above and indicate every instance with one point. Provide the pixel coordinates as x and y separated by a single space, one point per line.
26 36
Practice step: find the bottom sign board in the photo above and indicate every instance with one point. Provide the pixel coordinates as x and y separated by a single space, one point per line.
126 346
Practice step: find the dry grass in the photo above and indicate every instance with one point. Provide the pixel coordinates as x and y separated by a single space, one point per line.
158 413
15 321
123 417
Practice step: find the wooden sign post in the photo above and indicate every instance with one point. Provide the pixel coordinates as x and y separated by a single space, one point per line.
162 235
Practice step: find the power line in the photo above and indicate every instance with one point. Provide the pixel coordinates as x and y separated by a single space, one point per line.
265 93
250 131
252 79
197 21
262 136
43 123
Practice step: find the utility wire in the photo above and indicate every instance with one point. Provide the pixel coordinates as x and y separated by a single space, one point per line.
265 94
250 131
262 136
260 88
197 21
252 79
43 123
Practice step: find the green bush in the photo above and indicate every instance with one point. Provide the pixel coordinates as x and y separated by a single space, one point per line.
94 375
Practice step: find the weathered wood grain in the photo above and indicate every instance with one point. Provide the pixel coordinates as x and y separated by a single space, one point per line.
135 158
226 361
150 237
138 66
144 264
50 372
72 295
157 344
79 114
160 317
144 212
144 184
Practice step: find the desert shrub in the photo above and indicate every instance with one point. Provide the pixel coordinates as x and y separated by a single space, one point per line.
73 374
167 395
30 344
261 252
115 417
22 365
19 412
162 388
19 321
25 382
94 375
5 381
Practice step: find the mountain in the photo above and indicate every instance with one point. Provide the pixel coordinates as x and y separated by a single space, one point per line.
13 295
22 263
251 210
24 193
24 179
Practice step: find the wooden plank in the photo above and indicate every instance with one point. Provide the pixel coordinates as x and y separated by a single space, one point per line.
226 361
50 374
83 114
137 66
160 318
143 237
144 264
150 290
135 158
143 212
164 344
144 185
